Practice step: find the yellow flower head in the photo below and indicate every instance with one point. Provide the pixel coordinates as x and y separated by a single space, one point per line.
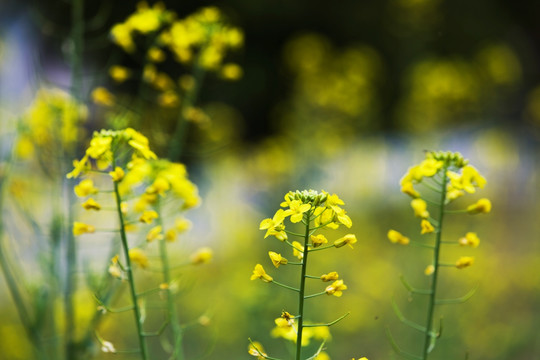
348 239
277 259
297 210
182 225
426 227
91 204
138 257
336 288
80 228
397 238
119 73
464 261
331 276
470 239
420 208
275 226
482 206
202 256
85 188
259 273
318 240
102 96
117 174
148 216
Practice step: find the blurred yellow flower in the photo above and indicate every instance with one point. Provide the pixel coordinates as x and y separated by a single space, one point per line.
464 261
298 250
201 256
102 96
91 204
80 228
470 239
171 235
336 288
231 71
154 233
426 227
138 257
430 269
182 225
119 73
155 54
396 237
121 35
256 349
420 208
318 240
259 273
85 188
117 174
482 206
148 216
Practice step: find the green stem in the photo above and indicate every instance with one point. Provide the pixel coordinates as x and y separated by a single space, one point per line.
307 216
134 299
436 251
177 331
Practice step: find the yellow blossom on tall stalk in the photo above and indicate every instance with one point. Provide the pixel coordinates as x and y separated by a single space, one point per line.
434 184
312 211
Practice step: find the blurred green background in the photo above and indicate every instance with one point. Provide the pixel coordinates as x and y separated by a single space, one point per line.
338 96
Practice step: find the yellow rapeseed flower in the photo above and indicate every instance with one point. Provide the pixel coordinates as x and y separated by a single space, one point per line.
297 210
256 349
482 206
231 72
117 174
430 269
182 225
426 227
201 256
102 96
331 276
119 73
420 208
298 250
397 238
91 204
275 226
148 216
154 233
277 259
470 239
138 257
259 273
318 240
336 288
85 188
464 261
348 239
80 228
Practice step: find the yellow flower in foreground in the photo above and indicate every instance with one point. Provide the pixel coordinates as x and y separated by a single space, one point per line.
148 216
298 250
277 259
348 239
80 228
397 238
331 276
470 239
318 240
137 256
91 204
85 188
201 256
297 210
464 261
102 96
420 208
275 226
117 174
482 206
256 349
336 288
259 273
426 227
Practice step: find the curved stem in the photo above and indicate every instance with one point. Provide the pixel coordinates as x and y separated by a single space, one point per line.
302 290
436 251
131 281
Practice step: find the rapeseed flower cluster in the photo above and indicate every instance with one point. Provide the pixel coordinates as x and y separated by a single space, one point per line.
315 211
448 173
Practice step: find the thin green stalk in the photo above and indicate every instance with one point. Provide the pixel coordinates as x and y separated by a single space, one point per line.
302 289
177 331
131 281
436 252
